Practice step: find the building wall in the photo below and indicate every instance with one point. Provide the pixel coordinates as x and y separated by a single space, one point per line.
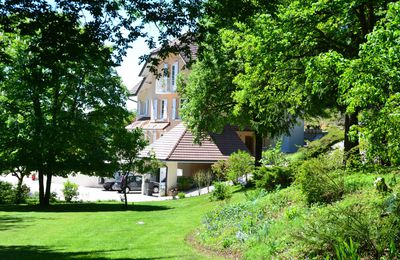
243 135
149 92
189 169
290 143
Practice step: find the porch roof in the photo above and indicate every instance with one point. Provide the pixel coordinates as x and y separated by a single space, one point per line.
178 145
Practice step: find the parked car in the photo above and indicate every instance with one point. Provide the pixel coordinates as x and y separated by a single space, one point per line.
108 185
134 183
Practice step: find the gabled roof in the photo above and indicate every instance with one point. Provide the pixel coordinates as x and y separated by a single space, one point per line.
178 145
136 88
165 145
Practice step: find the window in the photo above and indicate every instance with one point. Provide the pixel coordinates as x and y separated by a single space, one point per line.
143 107
165 72
174 75
155 109
174 110
164 106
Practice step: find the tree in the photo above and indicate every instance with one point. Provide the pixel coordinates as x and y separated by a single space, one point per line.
240 163
61 99
375 79
127 146
282 61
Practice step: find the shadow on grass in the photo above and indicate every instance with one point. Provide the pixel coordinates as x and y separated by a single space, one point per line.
12 222
41 252
82 207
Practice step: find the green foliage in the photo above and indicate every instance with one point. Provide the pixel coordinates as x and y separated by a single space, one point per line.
181 195
240 164
374 80
220 169
6 193
323 145
185 182
222 191
254 195
232 225
321 179
70 191
271 178
364 219
13 195
347 251
199 179
274 156
21 194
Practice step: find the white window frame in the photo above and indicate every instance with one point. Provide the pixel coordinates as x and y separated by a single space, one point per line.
147 107
155 108
174 114
164 109
174 75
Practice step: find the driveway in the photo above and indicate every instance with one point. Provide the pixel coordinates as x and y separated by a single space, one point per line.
86 193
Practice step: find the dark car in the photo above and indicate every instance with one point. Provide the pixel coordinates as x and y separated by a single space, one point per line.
108 185
134 183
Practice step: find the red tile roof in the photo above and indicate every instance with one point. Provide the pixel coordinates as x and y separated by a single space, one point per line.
177 145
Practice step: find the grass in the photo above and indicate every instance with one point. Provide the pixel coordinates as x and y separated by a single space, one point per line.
153 230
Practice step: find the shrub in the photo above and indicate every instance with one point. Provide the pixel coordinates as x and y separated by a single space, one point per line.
185 182
231 225
274 156
222 191
256 194
70 191
321 179
270 178
323 145
361 225
198 179
239 163
6 193
21 194
219 169
181 195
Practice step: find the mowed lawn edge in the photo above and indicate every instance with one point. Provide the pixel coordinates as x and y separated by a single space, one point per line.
151 230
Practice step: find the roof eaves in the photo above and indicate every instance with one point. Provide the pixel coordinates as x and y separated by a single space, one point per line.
137 87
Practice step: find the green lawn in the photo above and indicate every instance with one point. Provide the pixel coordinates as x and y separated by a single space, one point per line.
102 230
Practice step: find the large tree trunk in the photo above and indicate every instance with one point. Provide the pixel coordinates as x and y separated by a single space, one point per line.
258 150
350 146
47 195
124 184
41 188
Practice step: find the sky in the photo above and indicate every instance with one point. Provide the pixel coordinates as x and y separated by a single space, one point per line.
130 67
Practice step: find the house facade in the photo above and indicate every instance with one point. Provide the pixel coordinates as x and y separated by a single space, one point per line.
158 115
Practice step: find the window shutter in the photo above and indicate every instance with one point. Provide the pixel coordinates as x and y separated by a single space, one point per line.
174 109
